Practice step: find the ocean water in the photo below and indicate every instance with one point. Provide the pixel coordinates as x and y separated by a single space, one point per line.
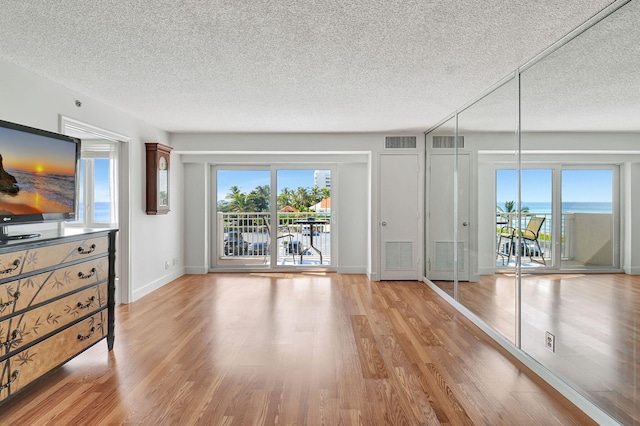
568 207
54 187
101 212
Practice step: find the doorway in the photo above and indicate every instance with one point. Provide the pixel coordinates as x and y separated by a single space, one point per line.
255 227
105 191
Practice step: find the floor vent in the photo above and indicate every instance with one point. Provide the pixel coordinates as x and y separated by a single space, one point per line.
400 142
440 142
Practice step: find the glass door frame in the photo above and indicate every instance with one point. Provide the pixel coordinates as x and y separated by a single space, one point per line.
273 211
556 169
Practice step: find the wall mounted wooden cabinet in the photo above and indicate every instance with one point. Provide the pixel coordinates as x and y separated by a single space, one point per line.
158 162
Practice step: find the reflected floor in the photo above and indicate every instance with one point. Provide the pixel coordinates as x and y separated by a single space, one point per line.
595 319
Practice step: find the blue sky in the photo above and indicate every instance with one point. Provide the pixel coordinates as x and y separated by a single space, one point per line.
101 169
247 180
577 186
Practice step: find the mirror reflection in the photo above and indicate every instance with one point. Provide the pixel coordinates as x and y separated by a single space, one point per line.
549 257
441 165
489 130
579 149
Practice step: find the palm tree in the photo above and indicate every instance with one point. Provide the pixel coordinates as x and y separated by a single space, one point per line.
510 207
240 202
285 198
303 199
260 198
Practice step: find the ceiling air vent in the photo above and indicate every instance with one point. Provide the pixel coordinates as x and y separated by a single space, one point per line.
443 142
400 142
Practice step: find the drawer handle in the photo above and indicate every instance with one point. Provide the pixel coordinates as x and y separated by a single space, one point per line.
15 296
16 263
14 337
14 377
88 304
92 272
83 337
83 251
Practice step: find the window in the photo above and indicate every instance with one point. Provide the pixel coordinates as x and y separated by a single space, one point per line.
97 182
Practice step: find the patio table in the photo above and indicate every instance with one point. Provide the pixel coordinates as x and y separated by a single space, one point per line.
311 222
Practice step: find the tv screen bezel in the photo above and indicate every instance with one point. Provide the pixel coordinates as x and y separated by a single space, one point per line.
32 218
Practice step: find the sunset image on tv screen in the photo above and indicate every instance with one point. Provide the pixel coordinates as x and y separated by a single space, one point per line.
37 174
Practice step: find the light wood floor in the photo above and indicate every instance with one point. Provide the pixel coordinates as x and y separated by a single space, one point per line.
305 349
596 321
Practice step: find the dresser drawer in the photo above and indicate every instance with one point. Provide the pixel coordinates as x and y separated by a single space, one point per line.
29 291
24 367
24 261
24 328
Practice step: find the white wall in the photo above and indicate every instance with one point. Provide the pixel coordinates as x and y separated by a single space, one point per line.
355 187
29 99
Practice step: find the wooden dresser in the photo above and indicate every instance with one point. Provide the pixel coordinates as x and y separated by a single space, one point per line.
56 300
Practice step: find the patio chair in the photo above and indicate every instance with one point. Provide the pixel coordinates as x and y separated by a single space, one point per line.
282 231
528 237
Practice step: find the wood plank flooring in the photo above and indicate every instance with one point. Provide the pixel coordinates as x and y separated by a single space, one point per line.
594 317
292 349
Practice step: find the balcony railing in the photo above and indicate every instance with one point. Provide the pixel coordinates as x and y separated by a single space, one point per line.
244 236
578 241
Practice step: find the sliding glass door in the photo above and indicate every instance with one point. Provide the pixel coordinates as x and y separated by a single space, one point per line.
257 228
576 232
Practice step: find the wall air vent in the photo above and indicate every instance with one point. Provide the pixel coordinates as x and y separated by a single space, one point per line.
400 142
446 142
399 256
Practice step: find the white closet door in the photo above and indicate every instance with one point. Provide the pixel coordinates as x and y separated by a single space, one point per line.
440 232
398 223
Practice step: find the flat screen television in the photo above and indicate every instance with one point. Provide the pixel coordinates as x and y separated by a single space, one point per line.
38 177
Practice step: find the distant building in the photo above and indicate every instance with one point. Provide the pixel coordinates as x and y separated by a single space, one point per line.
322 178
323 206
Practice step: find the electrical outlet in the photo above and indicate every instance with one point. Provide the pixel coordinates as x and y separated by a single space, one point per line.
175 261
550 341
166 264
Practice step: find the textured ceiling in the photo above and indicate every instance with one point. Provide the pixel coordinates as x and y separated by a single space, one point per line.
283 66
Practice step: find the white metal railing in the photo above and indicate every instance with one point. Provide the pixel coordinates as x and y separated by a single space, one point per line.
510 220
573 237
245 234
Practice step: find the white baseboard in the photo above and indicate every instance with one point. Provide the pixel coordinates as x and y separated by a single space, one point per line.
352 270
196 270
486 270
154 285
633 270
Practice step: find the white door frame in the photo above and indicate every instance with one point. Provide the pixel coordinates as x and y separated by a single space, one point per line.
70 126
418 255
